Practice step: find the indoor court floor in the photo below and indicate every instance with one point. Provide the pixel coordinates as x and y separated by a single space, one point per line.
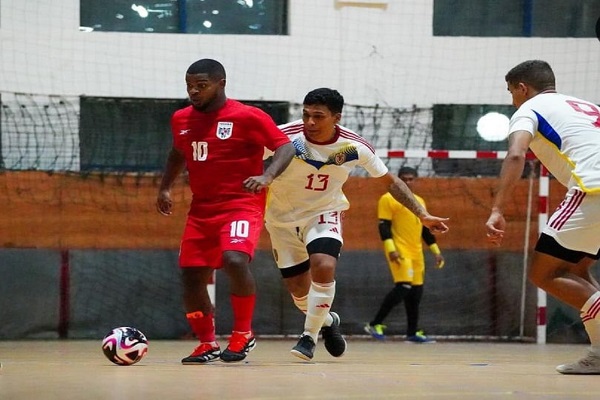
393 369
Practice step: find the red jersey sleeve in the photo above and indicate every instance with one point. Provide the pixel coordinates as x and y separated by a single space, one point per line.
272 137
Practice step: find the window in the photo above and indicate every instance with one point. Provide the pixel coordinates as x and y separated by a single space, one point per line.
455 128
133 134
278 110
516 18
125 134
242 17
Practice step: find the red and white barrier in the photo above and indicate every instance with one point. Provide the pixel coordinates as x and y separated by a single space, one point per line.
458 154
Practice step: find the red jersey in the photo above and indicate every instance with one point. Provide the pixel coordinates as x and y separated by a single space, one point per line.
223 148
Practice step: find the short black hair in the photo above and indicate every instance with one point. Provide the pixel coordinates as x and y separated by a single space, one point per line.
408 171
212 68
330 98
536 73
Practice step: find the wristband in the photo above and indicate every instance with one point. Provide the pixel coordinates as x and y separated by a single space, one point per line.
435 249
389 246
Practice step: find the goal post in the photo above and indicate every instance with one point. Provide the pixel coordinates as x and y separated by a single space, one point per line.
542 214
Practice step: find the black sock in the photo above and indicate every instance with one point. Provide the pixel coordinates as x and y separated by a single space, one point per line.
391 300
411 304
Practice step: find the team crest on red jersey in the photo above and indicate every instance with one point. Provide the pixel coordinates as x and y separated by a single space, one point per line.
224 130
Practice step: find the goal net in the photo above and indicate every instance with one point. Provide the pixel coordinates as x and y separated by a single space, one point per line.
116 243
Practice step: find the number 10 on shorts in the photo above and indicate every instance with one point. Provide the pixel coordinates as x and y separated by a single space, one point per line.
239 229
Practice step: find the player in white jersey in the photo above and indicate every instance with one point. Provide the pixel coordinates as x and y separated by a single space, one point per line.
304 210
564 134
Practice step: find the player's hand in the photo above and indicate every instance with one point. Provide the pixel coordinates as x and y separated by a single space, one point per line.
395 257
164 204
439 261
495 226
255 184
435 224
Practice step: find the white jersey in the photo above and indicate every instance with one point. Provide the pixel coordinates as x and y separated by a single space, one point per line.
566 137
312 184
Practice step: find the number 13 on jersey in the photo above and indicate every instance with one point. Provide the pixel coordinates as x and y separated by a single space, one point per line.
317 182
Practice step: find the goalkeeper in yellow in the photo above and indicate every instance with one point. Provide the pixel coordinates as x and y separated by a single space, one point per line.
402 234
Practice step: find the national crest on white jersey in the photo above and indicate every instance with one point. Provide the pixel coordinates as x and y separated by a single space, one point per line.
343 154
339 158
224 130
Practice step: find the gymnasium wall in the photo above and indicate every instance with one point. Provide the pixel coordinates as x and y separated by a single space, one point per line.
145 292
103 292
372 56
76 211
81 255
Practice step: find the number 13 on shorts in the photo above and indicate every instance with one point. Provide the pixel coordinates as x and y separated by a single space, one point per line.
332 217
328 224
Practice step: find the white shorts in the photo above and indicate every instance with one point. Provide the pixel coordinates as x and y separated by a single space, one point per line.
575 224
289 242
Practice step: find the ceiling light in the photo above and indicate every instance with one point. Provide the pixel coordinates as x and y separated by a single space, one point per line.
493 127
141 10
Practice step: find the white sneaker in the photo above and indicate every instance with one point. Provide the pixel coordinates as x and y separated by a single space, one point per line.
588 365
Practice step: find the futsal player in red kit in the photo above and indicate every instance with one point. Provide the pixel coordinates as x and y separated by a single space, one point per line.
221 143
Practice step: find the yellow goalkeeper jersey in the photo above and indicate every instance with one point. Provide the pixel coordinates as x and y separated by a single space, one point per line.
406 226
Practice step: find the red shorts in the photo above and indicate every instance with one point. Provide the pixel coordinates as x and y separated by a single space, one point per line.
206 238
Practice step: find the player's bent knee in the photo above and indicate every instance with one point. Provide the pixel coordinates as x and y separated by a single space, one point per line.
539 276
235 259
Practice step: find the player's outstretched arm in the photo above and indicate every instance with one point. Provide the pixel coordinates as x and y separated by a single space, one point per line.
403 194
281 159
510 173
173 167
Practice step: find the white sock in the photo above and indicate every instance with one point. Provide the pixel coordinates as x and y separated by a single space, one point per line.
320 298
302 304
590 315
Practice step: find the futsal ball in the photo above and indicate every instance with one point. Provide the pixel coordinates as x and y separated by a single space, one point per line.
125 345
